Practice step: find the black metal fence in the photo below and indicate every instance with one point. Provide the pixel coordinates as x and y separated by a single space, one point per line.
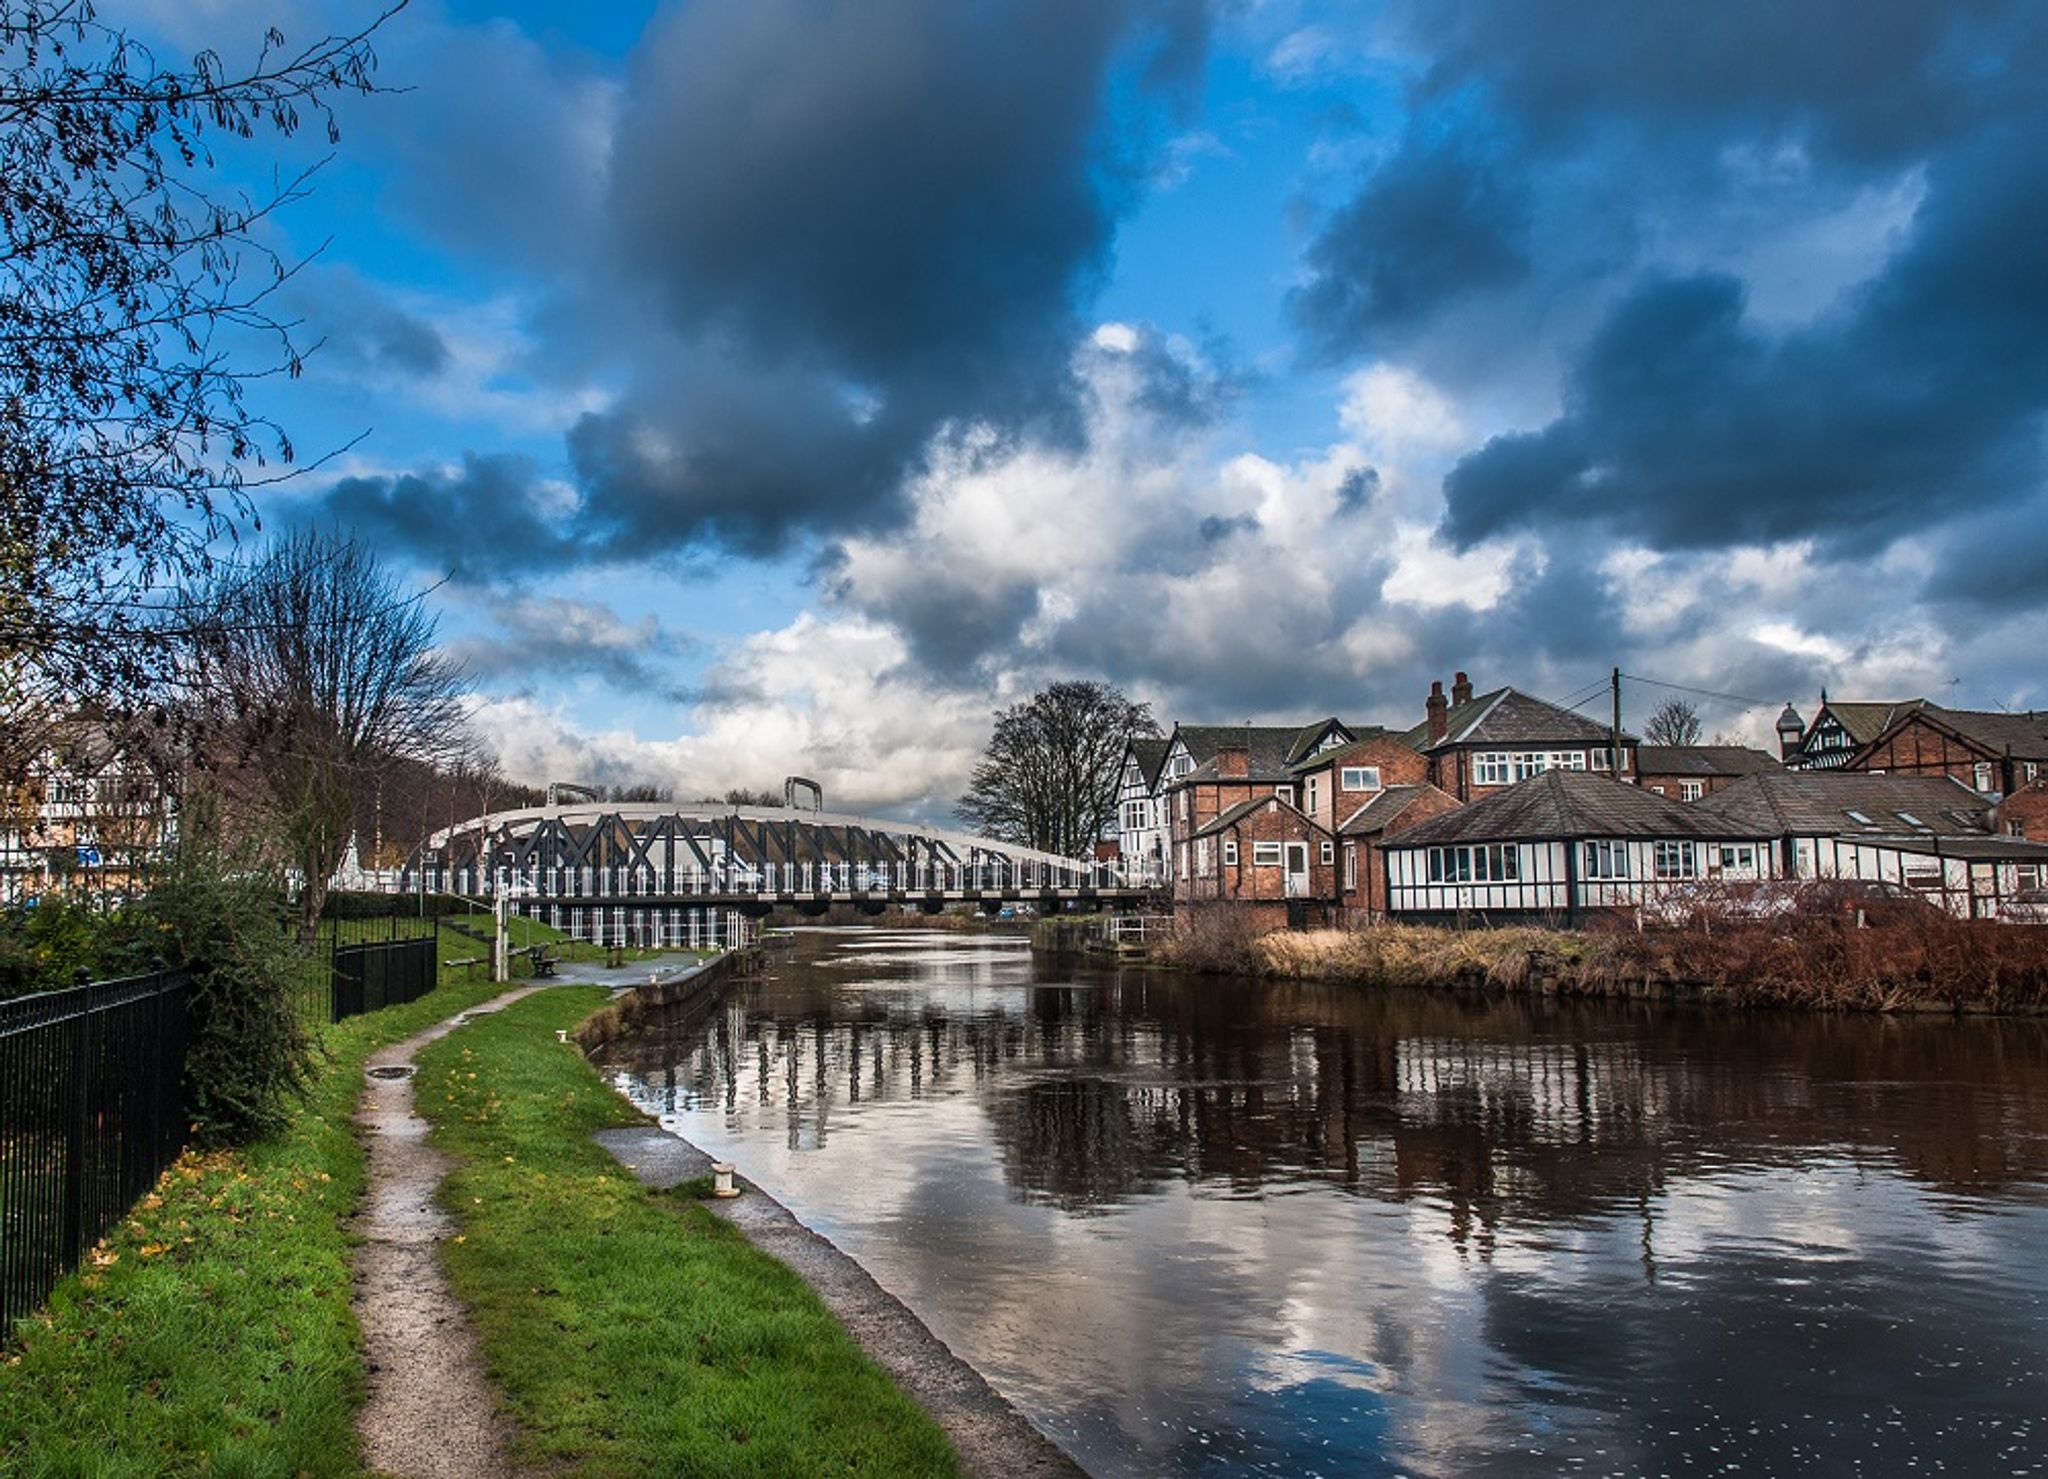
91 1111
381 973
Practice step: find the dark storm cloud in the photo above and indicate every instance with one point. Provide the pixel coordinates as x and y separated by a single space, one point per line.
1920 399
868 219
1216 527
527 637
478 524
1354 493
1438 221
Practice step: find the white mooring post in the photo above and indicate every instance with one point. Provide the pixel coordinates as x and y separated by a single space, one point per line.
501 955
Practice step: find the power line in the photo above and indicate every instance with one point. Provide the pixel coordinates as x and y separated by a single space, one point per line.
1734 698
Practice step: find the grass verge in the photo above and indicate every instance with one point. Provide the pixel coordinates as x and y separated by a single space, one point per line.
633 1333
211 1331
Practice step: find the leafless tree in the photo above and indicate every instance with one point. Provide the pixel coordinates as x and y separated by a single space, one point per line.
1675 722
1050 775
136 308
314 672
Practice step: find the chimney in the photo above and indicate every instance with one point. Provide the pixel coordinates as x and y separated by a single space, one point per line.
1461 690
1439 712
1234 763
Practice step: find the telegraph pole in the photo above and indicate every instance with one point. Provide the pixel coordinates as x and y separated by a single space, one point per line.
1614 753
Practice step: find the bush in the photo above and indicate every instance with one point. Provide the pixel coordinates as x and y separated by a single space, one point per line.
223 920
43 948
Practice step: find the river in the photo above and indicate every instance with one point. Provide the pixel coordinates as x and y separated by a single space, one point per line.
1203 1226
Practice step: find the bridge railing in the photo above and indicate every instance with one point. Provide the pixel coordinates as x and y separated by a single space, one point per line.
728 876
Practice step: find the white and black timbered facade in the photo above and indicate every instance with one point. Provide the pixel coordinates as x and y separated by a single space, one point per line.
1560 845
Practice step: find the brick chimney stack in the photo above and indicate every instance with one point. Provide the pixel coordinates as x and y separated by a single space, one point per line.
1439 712
1461 690
1234 763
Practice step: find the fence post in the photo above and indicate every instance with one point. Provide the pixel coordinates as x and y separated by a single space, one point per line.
74 1149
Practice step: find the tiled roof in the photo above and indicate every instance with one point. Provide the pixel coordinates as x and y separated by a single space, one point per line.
1380 813
1507 716
1338 756
1571 804
1305 739
1848 803
1150 755
1224 820
2024 736
1270 746
1864 722
1703 760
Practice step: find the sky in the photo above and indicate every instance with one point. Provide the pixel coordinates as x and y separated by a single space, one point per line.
781 386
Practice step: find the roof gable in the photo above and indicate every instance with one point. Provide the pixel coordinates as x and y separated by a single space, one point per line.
1225 820
1566 805
1508 716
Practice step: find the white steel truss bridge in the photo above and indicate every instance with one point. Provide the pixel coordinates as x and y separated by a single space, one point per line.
667 874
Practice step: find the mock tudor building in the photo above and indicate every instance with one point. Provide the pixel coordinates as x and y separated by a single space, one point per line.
1688 772
1479 745
1141 831
1560 846
1932 834
1838 731
90 816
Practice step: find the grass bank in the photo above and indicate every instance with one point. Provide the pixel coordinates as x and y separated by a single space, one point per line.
211 1332
1813 963
632 1332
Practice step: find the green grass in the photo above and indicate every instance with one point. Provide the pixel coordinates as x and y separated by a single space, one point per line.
211 1331
634 1333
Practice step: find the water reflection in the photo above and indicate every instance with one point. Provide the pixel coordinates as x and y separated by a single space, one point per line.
1201 1226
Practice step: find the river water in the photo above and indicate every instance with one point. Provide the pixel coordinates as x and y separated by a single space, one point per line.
1212 1227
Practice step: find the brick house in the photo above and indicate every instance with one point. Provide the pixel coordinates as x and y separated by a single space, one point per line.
1477 746
1991 753
1361 871
1335 782
90 815
1688 772
1265 856
2024 813
1196 784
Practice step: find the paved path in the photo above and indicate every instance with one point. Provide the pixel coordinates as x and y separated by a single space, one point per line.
431 1412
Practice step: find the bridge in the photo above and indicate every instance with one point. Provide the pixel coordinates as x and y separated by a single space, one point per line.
693 874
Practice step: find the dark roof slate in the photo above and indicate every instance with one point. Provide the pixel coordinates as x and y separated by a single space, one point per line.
1571 804
1272 747
1224 820
1151 757
1817 803
1703 760
1507 716
1381 812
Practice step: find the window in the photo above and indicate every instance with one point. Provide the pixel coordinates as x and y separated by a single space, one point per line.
1983 775
1490 769
1351 865
1311 795
1658 789
1202 859
1134 816
1676 860
1230 852
1921 874
1858 817
1691 790
1265 854
2032 772
1183 764
1529 763
1181 861
1329 853
1738 859
1360 778
1914 822
1607 860
1493 863
1285 793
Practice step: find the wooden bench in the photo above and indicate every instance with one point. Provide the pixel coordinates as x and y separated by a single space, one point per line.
545 959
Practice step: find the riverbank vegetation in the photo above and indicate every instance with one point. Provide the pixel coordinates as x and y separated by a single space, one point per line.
1917 964
631 1332
211 1332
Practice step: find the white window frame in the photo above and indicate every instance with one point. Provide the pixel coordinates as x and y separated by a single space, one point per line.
1983 776
1327 852
1489 768
1691 790
1350 865
1265 854
1230 852
1606 861
1676 860
1360 778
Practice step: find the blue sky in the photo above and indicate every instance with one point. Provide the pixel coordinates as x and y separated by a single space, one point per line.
781 385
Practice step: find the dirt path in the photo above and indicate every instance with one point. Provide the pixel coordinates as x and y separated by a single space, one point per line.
431 1412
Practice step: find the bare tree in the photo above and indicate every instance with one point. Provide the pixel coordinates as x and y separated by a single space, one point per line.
1049 777
1676 722
136 307
314 672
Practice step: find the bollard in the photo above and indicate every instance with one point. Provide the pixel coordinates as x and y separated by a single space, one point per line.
721 1180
